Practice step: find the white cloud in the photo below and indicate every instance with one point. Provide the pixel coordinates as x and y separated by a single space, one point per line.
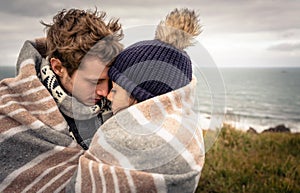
252 30
286 47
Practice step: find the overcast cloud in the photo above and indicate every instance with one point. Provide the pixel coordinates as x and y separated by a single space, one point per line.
236 33
286 47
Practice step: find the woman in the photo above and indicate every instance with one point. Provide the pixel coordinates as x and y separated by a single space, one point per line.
153 142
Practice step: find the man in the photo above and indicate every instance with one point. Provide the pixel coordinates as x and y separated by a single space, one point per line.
77 57
59 88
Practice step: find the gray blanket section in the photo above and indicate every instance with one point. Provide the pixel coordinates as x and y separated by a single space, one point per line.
28 51
23 147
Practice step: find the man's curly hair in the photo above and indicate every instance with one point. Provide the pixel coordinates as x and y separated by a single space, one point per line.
74 32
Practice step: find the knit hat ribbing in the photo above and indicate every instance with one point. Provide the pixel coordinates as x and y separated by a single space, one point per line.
153 67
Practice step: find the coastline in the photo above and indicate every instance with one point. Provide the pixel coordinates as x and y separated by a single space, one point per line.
205 124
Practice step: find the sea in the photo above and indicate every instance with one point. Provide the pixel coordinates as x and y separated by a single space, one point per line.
260 98
249 97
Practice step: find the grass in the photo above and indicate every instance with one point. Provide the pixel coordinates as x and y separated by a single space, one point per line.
253 163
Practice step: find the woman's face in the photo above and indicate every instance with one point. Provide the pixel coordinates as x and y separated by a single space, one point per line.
120 98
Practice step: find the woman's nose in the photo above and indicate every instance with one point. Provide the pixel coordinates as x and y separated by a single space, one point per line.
110 96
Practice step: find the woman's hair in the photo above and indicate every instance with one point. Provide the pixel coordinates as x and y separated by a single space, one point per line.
74 32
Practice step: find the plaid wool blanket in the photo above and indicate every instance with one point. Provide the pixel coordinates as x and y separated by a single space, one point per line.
36 152
153 146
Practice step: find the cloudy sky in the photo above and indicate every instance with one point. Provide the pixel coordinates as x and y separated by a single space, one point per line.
235 33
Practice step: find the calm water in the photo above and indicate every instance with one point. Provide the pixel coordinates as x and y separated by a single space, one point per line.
256 97
260 97
6 72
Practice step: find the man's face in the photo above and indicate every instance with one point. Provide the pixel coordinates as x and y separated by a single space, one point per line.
90 82
120 98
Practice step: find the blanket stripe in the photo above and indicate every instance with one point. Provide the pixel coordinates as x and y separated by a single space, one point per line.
36 152
52 164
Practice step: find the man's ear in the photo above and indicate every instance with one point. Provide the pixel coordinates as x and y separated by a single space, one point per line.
57 67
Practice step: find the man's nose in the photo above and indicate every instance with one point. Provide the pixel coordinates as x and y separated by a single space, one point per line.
101 92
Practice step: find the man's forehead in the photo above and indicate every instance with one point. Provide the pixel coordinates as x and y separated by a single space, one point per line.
92 63
93 66
94 75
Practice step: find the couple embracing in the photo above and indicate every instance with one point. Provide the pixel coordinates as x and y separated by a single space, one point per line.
58 133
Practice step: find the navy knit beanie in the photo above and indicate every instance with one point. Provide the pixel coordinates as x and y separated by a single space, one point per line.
150 68
154 67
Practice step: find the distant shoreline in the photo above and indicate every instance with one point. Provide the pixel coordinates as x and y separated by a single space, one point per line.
281 128
7 72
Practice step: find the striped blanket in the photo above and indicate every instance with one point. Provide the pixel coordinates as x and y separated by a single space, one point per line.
36 152
153 146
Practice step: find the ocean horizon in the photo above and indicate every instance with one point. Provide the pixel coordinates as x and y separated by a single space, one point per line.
260 98
255 97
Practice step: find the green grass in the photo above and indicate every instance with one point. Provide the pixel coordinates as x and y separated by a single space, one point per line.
252 163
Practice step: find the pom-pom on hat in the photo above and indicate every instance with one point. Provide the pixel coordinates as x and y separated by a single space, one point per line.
153 67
